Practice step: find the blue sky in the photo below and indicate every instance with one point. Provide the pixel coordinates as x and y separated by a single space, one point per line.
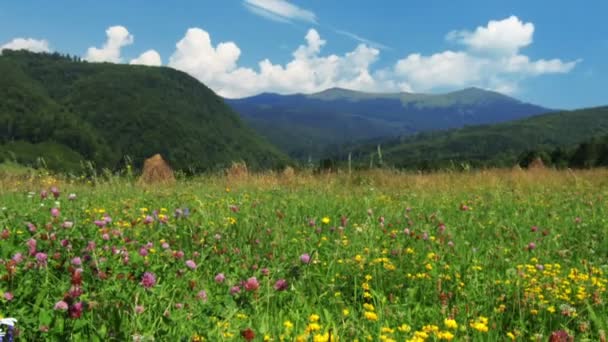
553 53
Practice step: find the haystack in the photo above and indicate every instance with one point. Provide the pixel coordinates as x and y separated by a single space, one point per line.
238 170
536 164
288 173
156 170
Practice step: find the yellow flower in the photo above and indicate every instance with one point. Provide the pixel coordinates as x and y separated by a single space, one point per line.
445 335
325 220
450 323
314 318
313 327
288 325
404 328
345 312
370 316
368 307
511 336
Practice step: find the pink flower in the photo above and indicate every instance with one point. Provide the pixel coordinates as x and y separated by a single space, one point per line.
43 194
149 219
143 251
41 258
55 212
61 306
76 310
8 296
100 223
219 278
179 306
67 224
148 280
165 245
139 309
31 245
55 191
31 227
235 290
305 258
202 295
281 285
265 271
191 264
534 229
531 246
252 284
76 261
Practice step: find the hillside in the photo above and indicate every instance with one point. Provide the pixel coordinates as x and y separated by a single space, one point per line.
496 145
305 125
65 111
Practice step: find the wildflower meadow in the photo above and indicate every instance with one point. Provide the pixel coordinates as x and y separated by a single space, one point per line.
495 255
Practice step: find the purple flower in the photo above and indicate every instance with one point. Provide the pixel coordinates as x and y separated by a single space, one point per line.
41 258
149 219
100 223
148 280
305 258
191 264
281 285
61 306
219 278
31 245
76 310
143 251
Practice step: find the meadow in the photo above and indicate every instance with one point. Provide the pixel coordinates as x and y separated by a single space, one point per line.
494 255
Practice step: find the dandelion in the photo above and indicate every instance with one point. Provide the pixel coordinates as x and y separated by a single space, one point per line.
325 220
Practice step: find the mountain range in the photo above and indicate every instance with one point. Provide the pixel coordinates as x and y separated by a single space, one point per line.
305 126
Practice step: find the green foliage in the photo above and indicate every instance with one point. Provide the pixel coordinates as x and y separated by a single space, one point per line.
502 145
103 112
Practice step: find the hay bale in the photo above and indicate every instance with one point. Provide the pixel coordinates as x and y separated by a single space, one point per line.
238 170
536 164
288 173
156 170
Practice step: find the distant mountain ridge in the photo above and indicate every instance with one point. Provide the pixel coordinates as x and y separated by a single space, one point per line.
305 125
67 111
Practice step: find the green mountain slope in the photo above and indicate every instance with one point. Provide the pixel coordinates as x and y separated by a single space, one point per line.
306 125
495 145
103 112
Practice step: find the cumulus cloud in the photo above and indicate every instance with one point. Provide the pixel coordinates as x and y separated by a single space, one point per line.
280 10
308 71
491 59
30 44
117 38
505 36
150 58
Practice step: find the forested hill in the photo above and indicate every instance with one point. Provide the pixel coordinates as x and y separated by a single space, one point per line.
489 145
66 110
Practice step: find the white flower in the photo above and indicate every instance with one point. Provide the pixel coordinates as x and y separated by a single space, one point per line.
1 333
8 321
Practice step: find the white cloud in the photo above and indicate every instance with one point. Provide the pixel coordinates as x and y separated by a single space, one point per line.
505 36
29 44
280 10
307 72
118 37
150 58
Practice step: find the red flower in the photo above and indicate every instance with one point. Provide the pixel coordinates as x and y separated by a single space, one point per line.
248 334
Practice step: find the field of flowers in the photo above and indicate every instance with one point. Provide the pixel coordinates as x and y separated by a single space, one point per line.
480 256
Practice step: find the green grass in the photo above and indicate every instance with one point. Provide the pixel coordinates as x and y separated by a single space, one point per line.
466 257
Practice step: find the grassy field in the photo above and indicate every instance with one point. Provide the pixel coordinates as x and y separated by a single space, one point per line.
381 256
